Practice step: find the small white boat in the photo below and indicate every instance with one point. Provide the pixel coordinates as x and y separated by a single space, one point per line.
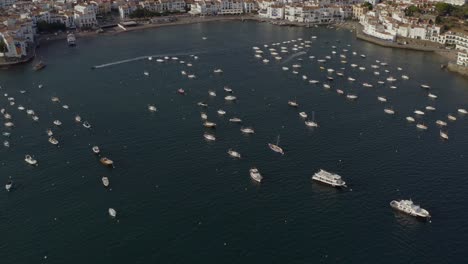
203 104
303 114
275 147
451 117
21 108
410 119
389 111
339 91
351 79
304 77
391 79
65 107
362 68
209 137
53 141
105 181
30 160
430 108
381 99
6 144
311 124
86 124
55 99
405 77
183 72
293 103
9 124
313 81
230 98
265 60
191 76
285 68
462 111
227 89
112 212
235 120
255 175
234 154
209 124
57 123
433 96
418 112
212 93
96 150
203 116
30 112
247 130
353 65
363 56
160 60
367 85
326 86
146 73
443 135
425 86
9 185
351 96
421 126
77 118
441 123
49 132
218 71
152 108
221 112
393 87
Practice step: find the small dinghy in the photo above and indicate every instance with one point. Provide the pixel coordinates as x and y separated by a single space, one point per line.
53 141
96 150
9 185
105 181
112 212
234 154
86 125
30 160
106 162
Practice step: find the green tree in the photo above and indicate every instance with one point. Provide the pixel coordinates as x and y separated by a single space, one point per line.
443 9
411 10
368 5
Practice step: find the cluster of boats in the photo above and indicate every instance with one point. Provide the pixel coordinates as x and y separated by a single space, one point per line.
300 47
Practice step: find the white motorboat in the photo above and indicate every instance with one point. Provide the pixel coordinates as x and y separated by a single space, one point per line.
112 212
276 147
410 119
304 77
393 87
30 160
234 154
362 68
235 120
209 137
425 86
326 86
160 60
247 130
152 108
218 71
191 76
326 177
389 111
49 132
203 116
227 89
421 126
408 207
53 141
351 96
293 103
221 112
212 93
339 91
86 124
55 99
209 124
285 68
451 117
202 104
363 56
441 123
405 77
367 85
6 143
96 150
265 60
418 112
255 175
9 185
65 107
57 123
430 108
146 73
21 108
443 135
30 112
313 81
77 118
303 114
105 181
462 111
230 98
391 79
9 124
183 72
381 99
433 96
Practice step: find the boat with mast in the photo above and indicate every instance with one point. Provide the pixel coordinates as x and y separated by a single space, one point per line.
275 147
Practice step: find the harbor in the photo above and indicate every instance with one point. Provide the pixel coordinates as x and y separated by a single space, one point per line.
192 143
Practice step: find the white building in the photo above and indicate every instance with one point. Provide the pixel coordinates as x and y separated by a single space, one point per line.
85 16
6 3
230 7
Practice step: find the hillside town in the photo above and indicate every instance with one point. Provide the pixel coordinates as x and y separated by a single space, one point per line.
23 21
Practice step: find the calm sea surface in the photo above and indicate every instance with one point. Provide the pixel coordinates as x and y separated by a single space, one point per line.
181 199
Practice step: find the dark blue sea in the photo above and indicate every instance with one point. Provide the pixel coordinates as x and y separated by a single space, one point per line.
181 199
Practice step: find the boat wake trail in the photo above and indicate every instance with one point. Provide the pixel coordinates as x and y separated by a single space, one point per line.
294 56
141 58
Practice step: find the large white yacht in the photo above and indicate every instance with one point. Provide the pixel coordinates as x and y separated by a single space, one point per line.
408 207
329 178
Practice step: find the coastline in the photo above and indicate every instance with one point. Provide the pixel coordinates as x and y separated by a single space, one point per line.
354 26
